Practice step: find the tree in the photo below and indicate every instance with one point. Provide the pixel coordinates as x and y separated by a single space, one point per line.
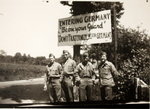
78 8
134 48
30 59
3 53
18 57
41 60
24 58
8 58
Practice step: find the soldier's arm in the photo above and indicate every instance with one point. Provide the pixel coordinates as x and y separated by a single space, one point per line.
74 65
94 79
93 73
114 70
45 76
76 73
45 79
60 72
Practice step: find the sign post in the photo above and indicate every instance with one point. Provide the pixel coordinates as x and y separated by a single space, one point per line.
84 29
115 33
91 28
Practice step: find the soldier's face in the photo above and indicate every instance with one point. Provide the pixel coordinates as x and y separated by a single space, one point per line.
66 55
51 59
91 59
86 59
103 58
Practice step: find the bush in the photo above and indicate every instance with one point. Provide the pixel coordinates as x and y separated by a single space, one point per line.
11 71
132 57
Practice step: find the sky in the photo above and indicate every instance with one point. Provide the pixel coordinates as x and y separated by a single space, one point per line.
31 26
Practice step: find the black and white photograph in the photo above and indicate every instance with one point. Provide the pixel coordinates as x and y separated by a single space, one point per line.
76 54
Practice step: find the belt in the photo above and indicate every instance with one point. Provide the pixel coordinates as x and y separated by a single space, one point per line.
54 77
68 75
86 77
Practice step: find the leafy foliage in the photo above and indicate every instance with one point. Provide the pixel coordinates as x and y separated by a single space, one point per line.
23 59
133 59
82 7
13 71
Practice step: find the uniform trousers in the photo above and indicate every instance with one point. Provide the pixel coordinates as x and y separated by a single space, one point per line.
67 86
85 89
106 93
54 90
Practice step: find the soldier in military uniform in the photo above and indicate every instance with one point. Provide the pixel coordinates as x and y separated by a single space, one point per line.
95 63
107 71
85 76
68 73
53 78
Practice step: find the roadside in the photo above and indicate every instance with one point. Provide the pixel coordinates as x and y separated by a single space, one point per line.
23 91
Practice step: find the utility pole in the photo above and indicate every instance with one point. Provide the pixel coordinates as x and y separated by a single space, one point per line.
115 33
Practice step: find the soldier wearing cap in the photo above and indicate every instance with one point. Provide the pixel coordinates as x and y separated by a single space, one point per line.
85 76
68 73
53 77
107 71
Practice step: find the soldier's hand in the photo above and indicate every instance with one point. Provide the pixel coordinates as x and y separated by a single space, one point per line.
45 88
60 80
96 81
77 78
93 81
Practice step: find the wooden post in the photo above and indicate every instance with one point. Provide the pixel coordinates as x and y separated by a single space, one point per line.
115 33
76 53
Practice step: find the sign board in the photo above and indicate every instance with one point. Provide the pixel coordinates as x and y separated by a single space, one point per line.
89 28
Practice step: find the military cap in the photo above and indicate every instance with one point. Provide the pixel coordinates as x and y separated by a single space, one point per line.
51 55
65 51
103 53
93 55
85 54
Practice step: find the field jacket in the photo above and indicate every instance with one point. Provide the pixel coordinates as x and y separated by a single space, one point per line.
106 73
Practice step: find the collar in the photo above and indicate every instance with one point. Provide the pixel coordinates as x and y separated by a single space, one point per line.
86 64
67 60
103 64
49 65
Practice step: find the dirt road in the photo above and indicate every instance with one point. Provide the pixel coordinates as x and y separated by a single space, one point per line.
31 92
23 91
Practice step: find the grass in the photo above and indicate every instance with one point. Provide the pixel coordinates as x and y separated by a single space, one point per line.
12 71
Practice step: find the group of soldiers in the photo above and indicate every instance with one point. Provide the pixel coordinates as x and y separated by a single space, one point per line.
63 77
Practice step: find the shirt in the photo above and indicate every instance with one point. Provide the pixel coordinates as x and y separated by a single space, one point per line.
85 71
69 66
55 70
106 72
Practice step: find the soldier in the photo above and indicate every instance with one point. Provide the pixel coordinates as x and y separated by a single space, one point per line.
106 72
95 63
53 79
85 76
68 73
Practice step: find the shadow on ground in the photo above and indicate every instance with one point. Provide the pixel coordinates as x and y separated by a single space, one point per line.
19 93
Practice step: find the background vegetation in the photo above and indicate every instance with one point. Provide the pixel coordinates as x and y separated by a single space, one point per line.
133 53
133 49
21 67
11 71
